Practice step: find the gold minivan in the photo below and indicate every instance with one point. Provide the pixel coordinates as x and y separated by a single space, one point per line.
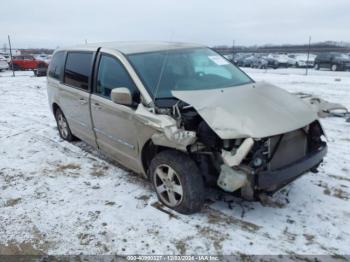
184 117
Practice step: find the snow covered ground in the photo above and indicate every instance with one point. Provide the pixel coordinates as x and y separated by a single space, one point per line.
66 198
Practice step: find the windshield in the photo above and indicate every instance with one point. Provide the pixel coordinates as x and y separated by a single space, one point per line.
185 69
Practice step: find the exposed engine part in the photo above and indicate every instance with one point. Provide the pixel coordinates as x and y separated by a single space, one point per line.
176 111
226 144
231 179
208 137
190 119
209 166
235 157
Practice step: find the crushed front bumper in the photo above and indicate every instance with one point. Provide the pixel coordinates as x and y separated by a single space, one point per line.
273 180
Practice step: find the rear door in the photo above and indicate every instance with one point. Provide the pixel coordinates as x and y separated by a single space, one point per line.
75 93
114 123
28 62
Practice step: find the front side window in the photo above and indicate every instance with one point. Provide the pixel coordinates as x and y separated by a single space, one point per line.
78 69
112 74
185 69
28 58
56 65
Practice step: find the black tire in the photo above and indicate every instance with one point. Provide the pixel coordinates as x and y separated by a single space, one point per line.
317 66
186 175
17 67
64 131
334 67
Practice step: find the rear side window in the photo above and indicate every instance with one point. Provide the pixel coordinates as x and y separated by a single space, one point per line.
78 69
56 66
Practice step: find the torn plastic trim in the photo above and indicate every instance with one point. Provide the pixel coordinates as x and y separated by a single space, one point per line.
169 134
148 117
175 138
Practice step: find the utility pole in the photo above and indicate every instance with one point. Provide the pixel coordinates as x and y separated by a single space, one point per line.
233 48
13 71
308 56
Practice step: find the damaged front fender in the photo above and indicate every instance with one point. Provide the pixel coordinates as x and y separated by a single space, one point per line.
175 138
168 134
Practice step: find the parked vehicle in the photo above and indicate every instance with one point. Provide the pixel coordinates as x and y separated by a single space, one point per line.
301 60
184 117
239 58
27 62
6 56
247 61
260 62
332 61
3 63
270 62
43 57
278 60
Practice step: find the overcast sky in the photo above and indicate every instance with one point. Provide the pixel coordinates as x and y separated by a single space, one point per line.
52 23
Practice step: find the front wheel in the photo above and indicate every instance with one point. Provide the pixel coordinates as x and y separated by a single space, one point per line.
63 127
17 67
177 181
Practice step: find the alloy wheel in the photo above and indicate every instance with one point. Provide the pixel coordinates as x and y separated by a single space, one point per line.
168 185
62 125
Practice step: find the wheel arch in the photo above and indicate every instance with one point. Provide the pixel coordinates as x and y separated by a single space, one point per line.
148 152
55 106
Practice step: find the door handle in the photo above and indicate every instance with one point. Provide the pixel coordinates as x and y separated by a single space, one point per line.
97 105
82 101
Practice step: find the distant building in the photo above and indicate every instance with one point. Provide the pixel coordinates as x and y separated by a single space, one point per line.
14 52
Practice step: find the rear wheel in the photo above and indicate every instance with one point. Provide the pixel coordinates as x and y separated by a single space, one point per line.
334 67
317 66
62 125
177 181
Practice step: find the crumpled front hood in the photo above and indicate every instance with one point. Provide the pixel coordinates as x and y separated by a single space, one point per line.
255 110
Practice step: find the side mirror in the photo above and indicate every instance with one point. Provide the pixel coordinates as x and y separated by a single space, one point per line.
121 95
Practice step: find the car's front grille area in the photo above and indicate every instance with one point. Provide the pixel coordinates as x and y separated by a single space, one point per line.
291 147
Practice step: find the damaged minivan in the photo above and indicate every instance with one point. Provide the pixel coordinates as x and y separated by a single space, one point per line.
184 117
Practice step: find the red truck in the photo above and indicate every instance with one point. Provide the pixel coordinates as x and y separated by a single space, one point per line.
28 62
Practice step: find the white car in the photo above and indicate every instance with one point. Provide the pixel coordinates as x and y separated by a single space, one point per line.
281 60
44 57
3 63
301 60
